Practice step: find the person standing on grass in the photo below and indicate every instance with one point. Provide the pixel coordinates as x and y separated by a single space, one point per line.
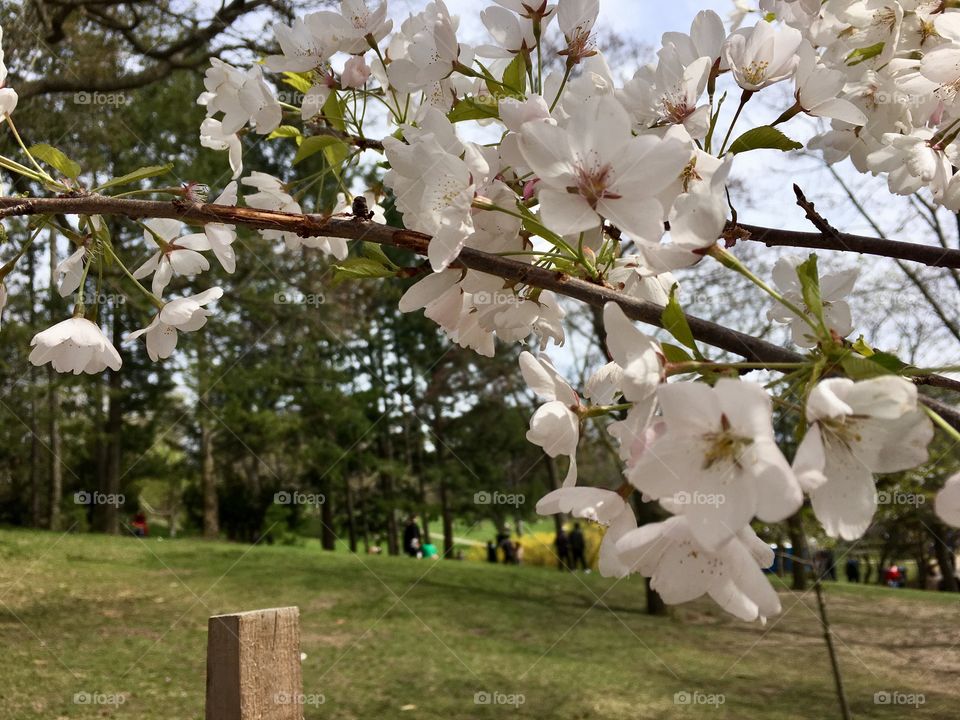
562 544
853 570
578 547
491 551
411 537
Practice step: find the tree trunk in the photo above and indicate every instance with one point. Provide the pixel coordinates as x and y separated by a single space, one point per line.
36 491
351 519
53 407
799 541
328 538
447 516
647 513
944 555
208 477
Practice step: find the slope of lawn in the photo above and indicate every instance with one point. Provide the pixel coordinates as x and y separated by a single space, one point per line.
122 619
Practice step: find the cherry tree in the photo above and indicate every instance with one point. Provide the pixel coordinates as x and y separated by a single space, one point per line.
520 186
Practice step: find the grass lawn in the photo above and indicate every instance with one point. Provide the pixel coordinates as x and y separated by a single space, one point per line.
396 638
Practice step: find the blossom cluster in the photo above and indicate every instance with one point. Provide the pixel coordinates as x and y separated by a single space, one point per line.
555 162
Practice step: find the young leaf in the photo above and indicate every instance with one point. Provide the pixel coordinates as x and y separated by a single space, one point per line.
675 353
865 53
675 322
298 81
360 268
285 131
374 252
472 109
809 278
56 159
137 175
314 144
764 137
333 112
515 76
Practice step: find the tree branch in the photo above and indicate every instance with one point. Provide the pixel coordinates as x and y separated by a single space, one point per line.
829 238
752 348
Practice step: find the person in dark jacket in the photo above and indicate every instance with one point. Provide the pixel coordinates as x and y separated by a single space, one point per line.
411 537
578 547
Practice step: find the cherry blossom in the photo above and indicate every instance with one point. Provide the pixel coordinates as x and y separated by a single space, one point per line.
75 346
834 286
858 429
681 569
947 503
762 55
555 426
70 271
8 96
180 255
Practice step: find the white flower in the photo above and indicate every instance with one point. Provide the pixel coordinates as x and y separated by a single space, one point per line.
355 23
947 504
355 73
306 45
637 354
241 97
555 426
833 288
670 96
681 569
706 39
435 187
213 137
177 254
8 96
576 19
718 463
512 34
595 169
70 272
221 236
75 345
431 50
818 88
762 55
183 314
942 64
604 507
858 429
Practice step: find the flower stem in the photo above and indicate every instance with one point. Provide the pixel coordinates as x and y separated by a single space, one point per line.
744 99
943 424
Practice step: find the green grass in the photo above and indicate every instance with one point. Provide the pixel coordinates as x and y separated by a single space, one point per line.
88 614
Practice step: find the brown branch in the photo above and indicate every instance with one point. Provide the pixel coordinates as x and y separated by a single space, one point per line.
829 238
738 343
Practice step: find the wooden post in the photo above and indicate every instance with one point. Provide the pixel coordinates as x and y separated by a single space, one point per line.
253 666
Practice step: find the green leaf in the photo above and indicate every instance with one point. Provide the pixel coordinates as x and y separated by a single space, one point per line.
809 278
374 252
865 53
336 154
515 76
285 131
56 159
139 174
675 353
472 109
862 347
764 137
333 112
314 144
361 268
675 322
298 81
877 364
